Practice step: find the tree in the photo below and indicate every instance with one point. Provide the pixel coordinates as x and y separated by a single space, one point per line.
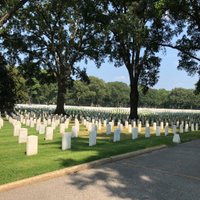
9 8
98 88
117 94
20 87
184 17
48 93
7 94
134 31
181 98
79 94
92 93
56 36
8 97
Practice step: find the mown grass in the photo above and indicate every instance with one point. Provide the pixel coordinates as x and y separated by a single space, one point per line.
15 165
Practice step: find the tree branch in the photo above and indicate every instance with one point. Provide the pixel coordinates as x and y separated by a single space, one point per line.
180 49
10 13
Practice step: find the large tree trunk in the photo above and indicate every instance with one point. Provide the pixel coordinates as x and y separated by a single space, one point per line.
60 97
134 96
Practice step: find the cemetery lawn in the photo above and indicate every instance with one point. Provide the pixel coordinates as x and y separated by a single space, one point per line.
15 165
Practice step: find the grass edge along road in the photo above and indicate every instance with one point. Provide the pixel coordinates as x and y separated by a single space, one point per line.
15 165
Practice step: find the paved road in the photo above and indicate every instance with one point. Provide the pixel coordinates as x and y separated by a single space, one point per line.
167 174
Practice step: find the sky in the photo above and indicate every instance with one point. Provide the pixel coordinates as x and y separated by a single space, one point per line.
170 77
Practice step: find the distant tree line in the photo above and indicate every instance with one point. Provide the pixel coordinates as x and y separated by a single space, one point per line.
99 93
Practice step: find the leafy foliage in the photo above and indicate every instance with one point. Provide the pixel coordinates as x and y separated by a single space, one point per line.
134 33
55 37
112 94
7 88
184 17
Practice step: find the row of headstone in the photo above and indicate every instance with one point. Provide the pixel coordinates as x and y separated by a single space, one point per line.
31 143
93 127
134 130
22 133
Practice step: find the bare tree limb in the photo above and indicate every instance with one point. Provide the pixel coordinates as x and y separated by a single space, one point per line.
180 49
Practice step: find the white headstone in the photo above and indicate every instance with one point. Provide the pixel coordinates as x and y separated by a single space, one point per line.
93 121
53 124
181 128
192 127
32 123
74 131
154 126
161 125
157 130
62 128
17 127
147 132
67 124
99 126
92 137
84 122
49 133
139 127
126 124
112 124
116 136
45 123
49 121
130 128
104 123
134 133
108 129
32 145
27 122
186 127
1 122
89 126
166 130
77 125
23 134
134 124
21 118
196 127
66 141
174 129
42 129
176 138
121 127
118 123
38 126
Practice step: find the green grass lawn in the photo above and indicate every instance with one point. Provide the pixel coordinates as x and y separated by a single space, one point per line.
15 165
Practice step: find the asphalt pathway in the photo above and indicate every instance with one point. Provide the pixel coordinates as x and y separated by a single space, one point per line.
167 174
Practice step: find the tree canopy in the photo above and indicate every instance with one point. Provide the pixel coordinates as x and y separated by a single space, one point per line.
46 40
134 33
55 37
8 9
184 18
